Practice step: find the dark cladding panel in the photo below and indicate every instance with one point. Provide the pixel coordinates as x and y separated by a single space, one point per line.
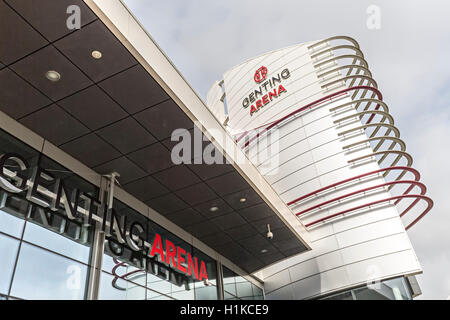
93 108
216 239
50 16
176 177
12 29
213 208
128 170
227 183
34 68
153 158
270 257
162 119
202 229
134 89
208 171
244 231
146 188
19 98
55 124
274 221
196 194
79 46
192 143
256 243
256 212
185 217
136 136
167 204
228 221
91 150
243 199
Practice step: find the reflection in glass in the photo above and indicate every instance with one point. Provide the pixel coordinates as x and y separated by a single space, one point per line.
10 144
393 289
340 296
40 274
369 294
257 293
228 296
115 288
152 294
10 224
229 284
182 294
230 288
211 266
159 297
399 288
238 288
44 275
56 242
108 261
135 275
161 280
8 253
157 284
243 288
206 293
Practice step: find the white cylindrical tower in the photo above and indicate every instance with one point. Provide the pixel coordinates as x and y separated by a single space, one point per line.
313 121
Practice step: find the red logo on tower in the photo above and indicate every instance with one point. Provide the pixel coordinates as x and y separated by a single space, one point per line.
269 88
260 74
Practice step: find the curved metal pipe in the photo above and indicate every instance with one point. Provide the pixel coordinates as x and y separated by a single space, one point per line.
358 177
420 197
349 39
423 190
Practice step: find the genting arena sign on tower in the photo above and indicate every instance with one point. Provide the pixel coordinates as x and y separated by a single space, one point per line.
269 88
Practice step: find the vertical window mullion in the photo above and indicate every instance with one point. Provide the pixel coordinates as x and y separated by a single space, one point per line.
96 257
17 259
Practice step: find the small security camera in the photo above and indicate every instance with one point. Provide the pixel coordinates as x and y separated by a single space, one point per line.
269 233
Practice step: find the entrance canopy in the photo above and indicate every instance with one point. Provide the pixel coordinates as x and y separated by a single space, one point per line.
96 93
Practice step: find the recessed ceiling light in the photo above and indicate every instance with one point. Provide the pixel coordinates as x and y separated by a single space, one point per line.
213 209
96 54
52 75
263 250
242 200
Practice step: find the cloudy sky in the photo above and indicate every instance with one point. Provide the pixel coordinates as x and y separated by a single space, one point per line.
408 57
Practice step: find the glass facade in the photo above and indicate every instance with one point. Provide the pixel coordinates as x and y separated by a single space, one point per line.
238 288
393 289
44 254
46 245
132 275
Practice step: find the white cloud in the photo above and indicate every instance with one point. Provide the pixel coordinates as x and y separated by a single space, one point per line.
408 57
